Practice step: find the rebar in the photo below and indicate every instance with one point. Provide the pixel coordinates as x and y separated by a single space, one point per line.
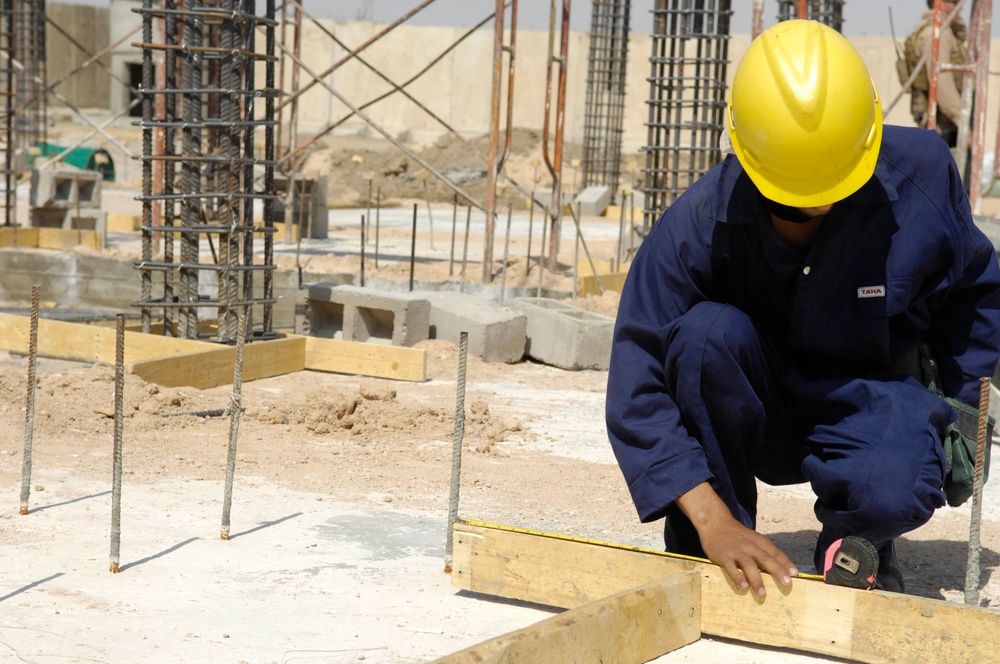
235 410
116 471
413 245
8 45
31 120
604 109
206 105
29 408
827 12
556 115
456 448
972 570
686 100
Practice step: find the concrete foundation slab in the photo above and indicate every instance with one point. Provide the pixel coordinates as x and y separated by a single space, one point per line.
565 336
496 334
353 313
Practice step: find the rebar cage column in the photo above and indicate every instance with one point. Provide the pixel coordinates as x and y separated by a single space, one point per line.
687 98
827 12
8 76
32 98
605 103
209 57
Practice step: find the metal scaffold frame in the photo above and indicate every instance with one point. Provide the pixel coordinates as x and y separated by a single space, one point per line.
687 98
206 122
494 158
607 67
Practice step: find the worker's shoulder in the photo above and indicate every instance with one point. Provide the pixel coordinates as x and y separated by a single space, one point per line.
914 150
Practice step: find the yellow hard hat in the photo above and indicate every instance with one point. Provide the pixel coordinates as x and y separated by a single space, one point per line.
805 119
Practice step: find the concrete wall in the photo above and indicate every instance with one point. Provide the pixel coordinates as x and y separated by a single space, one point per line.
88 26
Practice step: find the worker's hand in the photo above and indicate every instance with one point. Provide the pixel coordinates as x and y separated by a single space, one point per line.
740 551
743 552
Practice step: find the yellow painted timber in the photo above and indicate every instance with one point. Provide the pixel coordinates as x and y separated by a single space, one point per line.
634 626
49 238
615 212
87 343
214 367
810 616
123 222
587 285
366 359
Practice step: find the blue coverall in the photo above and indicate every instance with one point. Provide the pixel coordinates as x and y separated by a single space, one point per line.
738 356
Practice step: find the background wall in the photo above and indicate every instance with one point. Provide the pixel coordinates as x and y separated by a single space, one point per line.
88 26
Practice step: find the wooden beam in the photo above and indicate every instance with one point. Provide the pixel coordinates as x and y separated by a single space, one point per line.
50 238
631 627
812 616
214 367
88 343
365 359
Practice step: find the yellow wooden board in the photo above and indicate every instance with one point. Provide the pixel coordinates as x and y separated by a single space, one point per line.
123 222
49 238
88 343
631 627
811 616
366 359
214 367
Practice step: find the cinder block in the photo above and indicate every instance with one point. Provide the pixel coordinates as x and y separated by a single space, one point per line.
544 197
593 201
66 188
364 314
496 334
565 336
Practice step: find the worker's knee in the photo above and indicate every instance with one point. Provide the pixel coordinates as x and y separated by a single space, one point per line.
714 327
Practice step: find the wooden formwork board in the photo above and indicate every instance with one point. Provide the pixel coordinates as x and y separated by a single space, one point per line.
50 238
811 616
619 628
174 362
366 359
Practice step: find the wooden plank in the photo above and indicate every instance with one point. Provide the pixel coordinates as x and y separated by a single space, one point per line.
63 238
610 281
365 359
810 616
214 367
17 236
631 627
87 343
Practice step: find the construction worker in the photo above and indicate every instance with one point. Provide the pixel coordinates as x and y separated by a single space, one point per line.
952 50
798 315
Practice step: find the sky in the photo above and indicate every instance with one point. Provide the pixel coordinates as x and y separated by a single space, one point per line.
861 17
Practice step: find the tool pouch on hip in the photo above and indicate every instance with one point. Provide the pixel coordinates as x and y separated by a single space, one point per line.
959 438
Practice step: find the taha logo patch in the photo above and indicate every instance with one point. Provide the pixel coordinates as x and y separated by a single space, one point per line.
871 291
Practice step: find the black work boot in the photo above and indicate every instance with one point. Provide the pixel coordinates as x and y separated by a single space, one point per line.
890 574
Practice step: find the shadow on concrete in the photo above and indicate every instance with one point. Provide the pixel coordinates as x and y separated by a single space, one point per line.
509 602
34 584
68 502
158 555
266 524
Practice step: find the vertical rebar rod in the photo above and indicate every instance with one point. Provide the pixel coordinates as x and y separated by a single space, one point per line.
456 449
541 261
146 276
465 247
972 571
378 217
29 407
506 255
362 252
116 473
454 230
492 159
531 223
235 410
413 245
8 44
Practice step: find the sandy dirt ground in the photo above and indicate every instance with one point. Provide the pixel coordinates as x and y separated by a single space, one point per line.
341 492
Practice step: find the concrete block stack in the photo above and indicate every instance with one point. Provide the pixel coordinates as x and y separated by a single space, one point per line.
67 198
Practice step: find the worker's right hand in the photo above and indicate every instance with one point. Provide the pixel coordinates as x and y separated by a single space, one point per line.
742 552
